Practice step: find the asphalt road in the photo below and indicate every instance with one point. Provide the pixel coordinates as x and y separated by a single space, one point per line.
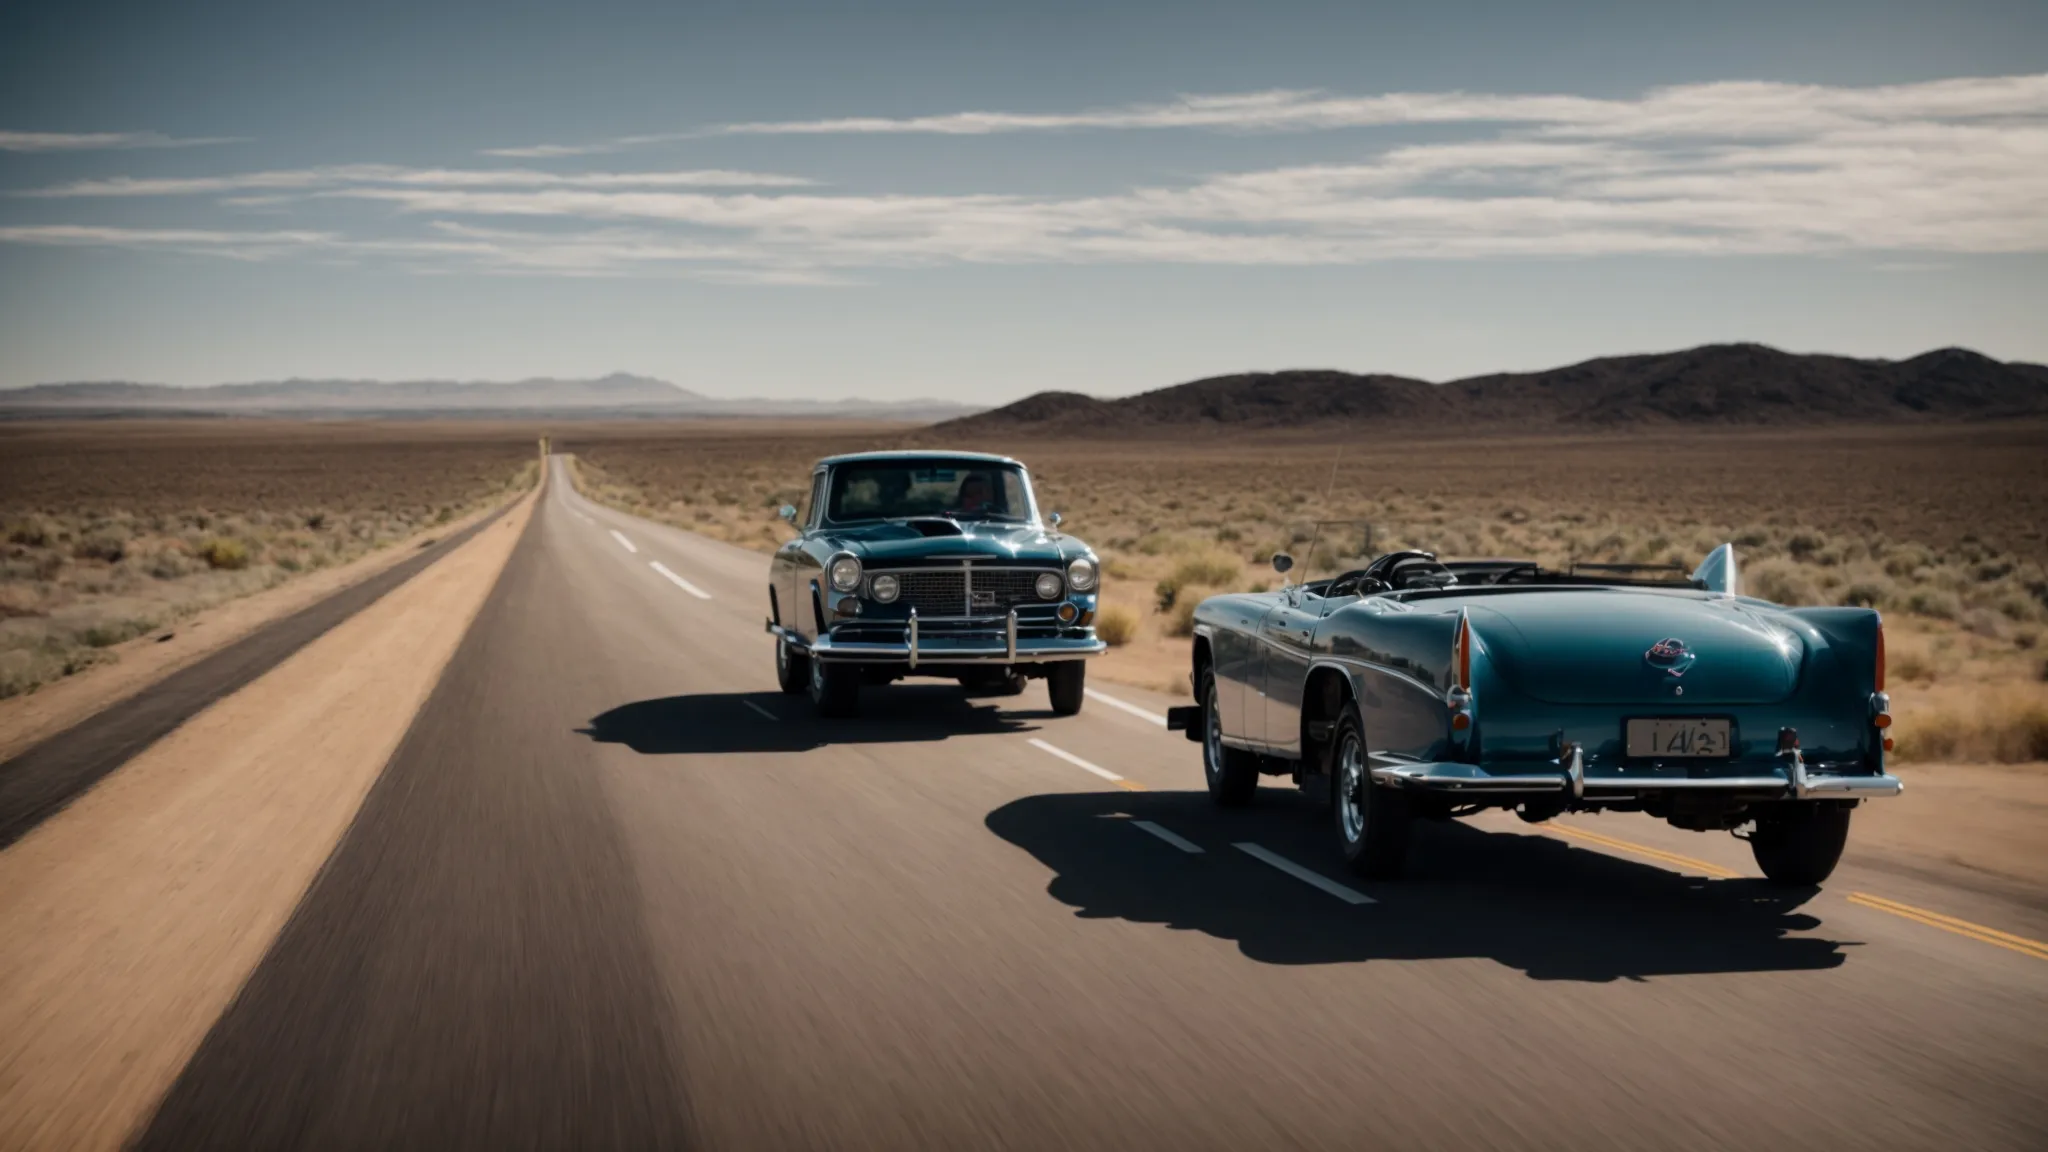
615 891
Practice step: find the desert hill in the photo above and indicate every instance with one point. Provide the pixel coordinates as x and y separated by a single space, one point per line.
1713 384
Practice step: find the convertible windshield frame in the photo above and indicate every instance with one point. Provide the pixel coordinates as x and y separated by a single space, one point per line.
999 471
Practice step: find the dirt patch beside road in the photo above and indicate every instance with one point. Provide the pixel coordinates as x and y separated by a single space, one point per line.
129 920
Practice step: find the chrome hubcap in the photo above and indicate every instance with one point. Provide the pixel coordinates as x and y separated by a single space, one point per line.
1351 788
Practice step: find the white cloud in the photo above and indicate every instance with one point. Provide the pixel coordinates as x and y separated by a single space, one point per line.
90 141
1729 107
301 179
1738 168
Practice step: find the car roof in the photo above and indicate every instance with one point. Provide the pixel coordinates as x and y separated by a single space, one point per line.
906 454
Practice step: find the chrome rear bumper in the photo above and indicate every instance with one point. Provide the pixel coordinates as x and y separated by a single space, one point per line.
1791 782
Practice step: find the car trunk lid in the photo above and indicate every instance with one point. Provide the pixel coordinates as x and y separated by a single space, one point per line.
1615 647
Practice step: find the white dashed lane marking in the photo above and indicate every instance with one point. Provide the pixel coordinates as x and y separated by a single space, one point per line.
1189 847
1313 879
1076 761
1126 706
678 581
623 542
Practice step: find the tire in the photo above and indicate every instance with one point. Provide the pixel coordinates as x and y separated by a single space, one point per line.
792 669
1798 844
1233 773
1065 682
835 689
1373 823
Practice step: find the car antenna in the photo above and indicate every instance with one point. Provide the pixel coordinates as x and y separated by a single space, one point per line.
1316 534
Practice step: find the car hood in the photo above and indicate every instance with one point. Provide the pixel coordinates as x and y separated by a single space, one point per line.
1595 647
879 545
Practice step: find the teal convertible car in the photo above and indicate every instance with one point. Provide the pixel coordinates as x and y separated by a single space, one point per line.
929 564
1413 688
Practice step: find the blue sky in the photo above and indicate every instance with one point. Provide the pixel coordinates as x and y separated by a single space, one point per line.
981 201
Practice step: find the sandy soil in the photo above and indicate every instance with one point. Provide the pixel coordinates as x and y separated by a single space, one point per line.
139 663
129 920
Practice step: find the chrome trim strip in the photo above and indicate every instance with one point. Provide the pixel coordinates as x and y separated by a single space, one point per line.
1353 662
1010 634
913 636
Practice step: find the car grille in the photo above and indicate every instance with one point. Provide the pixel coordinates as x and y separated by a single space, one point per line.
944 591
934 593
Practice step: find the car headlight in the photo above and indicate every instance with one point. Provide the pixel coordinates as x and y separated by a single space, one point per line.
884 589
1048 586
845 573
1081 574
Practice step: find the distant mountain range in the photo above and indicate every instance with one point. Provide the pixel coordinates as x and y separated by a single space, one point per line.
1709 385
1713 384
617 395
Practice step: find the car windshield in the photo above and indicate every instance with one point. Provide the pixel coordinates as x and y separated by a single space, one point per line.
899 489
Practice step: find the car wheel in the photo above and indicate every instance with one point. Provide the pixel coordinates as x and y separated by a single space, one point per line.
1798 844
835 689
792 669
1373 823
1233 773
1066 683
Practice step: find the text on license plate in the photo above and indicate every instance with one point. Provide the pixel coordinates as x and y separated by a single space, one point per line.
1678 737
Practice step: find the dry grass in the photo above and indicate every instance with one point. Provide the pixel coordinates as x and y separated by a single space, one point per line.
1945 528
113 530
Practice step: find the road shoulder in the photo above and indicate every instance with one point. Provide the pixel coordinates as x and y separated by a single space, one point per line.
144 662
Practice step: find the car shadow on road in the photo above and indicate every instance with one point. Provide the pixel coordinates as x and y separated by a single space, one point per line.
714 723
1527 901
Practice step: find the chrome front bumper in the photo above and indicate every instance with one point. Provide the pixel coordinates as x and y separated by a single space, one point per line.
1791 782
917 649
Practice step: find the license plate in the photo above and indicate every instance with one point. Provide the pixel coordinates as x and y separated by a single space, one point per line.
1671 738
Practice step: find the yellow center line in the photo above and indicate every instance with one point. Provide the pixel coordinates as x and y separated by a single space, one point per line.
1978 932
1130 785
1686 862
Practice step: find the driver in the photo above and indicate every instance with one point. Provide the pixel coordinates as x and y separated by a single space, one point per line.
976 494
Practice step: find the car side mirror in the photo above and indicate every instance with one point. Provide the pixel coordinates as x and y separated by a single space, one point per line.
1053 520
788 513
1282 563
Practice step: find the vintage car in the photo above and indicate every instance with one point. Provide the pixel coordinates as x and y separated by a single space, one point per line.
1414 688
929 564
